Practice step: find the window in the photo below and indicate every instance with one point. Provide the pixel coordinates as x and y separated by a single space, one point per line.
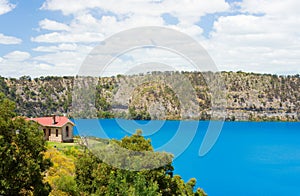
56 132
67 131
49 132
44 132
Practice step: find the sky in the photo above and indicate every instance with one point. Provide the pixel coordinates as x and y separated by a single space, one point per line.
53 37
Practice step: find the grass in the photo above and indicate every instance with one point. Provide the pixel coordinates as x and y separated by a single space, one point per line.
60 145
74 148
63 146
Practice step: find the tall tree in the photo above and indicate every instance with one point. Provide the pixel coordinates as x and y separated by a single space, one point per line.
22 161
95 176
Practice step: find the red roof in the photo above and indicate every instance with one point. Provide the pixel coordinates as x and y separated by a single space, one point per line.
48 121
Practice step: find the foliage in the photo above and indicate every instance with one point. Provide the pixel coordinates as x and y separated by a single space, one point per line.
104 114
25 162
22 150
95 176
3 86
249 96
138 115
61 175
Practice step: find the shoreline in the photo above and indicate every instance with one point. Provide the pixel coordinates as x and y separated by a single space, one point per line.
185 120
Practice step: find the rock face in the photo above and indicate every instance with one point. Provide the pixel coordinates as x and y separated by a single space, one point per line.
168 95
262 97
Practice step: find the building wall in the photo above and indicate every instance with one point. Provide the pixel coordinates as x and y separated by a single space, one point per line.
55 137
45 130
50 133
68 138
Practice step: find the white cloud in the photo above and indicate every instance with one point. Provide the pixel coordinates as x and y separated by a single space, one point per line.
44 66
184 8
190 12
16 63
90 17
57 63
67 7
268 41
60 47
61 56
53 25
85 28
34 69
5 6
263 37
65 59
68 37
4 39
145 60
274 8
17 56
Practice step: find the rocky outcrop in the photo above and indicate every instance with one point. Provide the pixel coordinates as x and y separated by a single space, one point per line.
168 95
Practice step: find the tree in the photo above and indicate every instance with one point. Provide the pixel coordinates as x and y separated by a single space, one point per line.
95 176
61 175
21 151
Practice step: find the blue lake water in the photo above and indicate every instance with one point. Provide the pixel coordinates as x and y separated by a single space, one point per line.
249 158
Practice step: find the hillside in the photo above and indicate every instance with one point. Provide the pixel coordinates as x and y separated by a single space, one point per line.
249 96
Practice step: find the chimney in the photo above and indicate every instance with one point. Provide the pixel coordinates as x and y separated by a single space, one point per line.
53 119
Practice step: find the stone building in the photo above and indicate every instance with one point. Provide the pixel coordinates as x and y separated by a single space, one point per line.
56 128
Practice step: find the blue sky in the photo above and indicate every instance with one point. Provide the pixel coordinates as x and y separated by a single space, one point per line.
52 37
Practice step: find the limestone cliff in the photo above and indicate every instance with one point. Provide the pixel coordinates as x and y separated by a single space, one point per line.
171 95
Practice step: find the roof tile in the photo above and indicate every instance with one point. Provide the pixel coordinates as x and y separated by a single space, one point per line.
48 121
